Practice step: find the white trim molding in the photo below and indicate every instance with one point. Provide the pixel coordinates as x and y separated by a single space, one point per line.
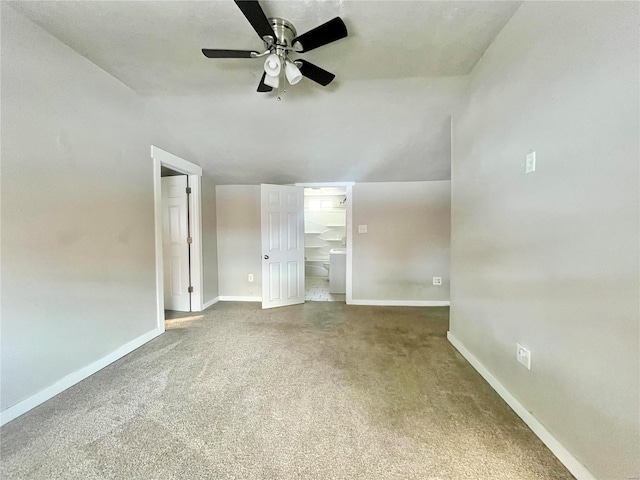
207 304
326 184
349 242
75 377
565 456
194 173
175 162
400 303
157 215
195 227
234 298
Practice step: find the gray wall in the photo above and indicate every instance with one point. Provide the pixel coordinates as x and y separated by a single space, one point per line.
209 238
406 245
78 259
550 259
239 241
407 241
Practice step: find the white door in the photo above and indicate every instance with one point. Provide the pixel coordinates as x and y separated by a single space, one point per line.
282 245
175 244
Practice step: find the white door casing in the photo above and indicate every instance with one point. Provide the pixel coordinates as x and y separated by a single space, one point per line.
159 158
282 215
349 187
175 246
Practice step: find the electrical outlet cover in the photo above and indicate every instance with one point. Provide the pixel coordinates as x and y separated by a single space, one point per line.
523 355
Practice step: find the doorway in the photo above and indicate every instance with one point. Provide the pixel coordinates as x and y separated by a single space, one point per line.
176 240
327 224
192 279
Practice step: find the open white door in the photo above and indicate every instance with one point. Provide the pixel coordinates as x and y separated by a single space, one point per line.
282 245
175 234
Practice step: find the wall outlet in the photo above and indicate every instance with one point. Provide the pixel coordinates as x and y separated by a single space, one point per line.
437 280
251 277
530 163
362 229
523 355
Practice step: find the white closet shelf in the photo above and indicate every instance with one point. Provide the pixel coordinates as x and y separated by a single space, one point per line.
317 259
324 229
329 210
334 238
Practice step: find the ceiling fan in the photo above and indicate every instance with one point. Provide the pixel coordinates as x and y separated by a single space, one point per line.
280 40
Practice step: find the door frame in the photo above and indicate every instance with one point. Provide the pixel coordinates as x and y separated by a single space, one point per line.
349 187
194 172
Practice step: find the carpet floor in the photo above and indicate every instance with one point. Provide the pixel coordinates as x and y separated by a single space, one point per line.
321 390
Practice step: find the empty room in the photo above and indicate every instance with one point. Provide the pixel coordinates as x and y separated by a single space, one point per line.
337 239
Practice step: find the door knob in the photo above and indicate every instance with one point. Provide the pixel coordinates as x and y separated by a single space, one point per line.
266 257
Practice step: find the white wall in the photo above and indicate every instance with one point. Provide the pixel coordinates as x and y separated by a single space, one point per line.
383 129
406 244
77 212
209 238
551 259
239 241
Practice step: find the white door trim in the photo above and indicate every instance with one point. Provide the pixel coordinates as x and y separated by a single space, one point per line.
161 157
349 186
349 290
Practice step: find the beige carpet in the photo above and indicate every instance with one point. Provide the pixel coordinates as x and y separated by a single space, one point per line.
323 390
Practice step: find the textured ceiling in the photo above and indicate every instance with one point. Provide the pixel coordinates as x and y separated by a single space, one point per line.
154 46
387 116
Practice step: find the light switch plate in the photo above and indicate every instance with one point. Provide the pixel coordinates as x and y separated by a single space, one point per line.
523 355
530 163
437 280
362 229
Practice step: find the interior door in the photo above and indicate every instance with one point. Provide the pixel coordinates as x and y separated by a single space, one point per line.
282 245
175 233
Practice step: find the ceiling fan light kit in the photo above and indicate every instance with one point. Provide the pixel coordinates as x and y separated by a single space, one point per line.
272 81
272 65
280 39
293 73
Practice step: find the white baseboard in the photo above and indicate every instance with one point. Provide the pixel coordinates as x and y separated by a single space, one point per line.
401 303
73 378
573 465
233 298
213 301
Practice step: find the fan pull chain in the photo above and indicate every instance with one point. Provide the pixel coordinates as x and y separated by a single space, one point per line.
282 83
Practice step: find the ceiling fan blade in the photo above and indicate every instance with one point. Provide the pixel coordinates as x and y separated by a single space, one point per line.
326 33
258 20
263 87
217 53
315 73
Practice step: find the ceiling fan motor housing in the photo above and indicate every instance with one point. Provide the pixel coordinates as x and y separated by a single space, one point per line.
285 32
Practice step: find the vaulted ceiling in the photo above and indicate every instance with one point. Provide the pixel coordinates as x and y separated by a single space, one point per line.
399 76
